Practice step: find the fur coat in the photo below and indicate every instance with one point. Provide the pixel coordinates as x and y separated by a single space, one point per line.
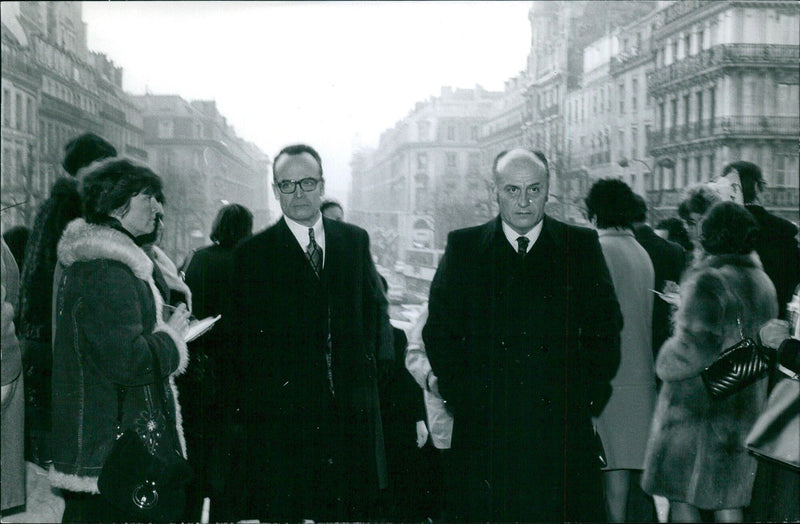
696 451
108 320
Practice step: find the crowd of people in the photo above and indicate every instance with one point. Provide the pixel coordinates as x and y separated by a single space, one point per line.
555 373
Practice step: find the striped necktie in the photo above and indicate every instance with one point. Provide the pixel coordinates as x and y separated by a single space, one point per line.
522 246
314 253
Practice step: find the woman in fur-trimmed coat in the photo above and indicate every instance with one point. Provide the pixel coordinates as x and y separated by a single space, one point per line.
108 325
696 455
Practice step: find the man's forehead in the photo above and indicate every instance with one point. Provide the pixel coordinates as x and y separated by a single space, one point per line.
517 157
305 159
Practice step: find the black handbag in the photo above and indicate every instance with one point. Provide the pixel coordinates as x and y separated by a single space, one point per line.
147 487
737 367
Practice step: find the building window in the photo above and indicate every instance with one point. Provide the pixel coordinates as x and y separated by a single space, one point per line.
473 133
422 161
700 37
165 129
18 111
424 129
634 91
662 115
634 142
711 166
674 115
687 44
685 166
622 98
451 160
686 108
698 168
451 132
712 95
621 144
699 103
6 107
674 49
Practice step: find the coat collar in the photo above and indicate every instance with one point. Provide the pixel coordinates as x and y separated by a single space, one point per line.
552 228
82 242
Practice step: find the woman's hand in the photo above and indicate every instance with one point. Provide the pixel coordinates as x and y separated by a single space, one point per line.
179 320
774 332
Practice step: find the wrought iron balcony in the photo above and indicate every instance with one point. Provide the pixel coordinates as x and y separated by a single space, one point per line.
725 126
724 55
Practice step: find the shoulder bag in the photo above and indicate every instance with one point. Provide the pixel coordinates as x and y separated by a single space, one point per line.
148 487
737 367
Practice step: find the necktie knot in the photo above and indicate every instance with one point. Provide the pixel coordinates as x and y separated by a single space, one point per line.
314 253
522 246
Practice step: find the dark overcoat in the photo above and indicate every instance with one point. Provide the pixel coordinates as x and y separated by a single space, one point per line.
283 401
669 261
524 350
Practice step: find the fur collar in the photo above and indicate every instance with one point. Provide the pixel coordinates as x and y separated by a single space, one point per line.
82 242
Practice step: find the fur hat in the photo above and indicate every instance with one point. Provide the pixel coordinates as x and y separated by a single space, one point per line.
85 149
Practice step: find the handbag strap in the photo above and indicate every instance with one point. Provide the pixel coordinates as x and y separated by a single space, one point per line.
739 323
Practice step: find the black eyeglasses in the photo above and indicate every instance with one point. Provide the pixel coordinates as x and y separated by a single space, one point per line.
287 187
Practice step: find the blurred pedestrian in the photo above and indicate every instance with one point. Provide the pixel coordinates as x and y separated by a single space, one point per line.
696 455
109 324
12 403
696 203
332 209
776 243
17 239
624 423
35 328
438 429
523 339
308 310
403 414
674 230
669 261
204 402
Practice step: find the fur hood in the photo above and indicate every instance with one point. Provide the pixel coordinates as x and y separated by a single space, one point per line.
82 242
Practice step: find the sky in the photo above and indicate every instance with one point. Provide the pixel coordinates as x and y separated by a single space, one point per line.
330 74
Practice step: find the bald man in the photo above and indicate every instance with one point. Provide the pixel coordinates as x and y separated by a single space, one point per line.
523 339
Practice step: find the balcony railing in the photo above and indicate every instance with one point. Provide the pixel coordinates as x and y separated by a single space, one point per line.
679 9
724 55
725 126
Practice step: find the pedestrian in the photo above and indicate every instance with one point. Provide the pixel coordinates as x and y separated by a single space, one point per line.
776 243
669 261
438 430
12 403
332 209
204 402
307 312
696 454
35 328
17 239
624 423
523 339
109 326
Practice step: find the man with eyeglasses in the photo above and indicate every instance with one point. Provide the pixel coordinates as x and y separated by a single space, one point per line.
523 339
307 318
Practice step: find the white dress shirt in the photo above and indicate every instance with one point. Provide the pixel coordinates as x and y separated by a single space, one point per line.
512 235
300 233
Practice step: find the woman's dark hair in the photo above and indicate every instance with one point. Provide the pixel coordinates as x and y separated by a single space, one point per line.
728 229
232 224
611 203
676 232
109 185
699 199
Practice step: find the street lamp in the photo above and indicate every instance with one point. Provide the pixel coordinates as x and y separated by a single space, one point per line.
624 162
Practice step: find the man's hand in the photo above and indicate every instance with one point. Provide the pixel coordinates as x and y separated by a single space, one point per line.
422 433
